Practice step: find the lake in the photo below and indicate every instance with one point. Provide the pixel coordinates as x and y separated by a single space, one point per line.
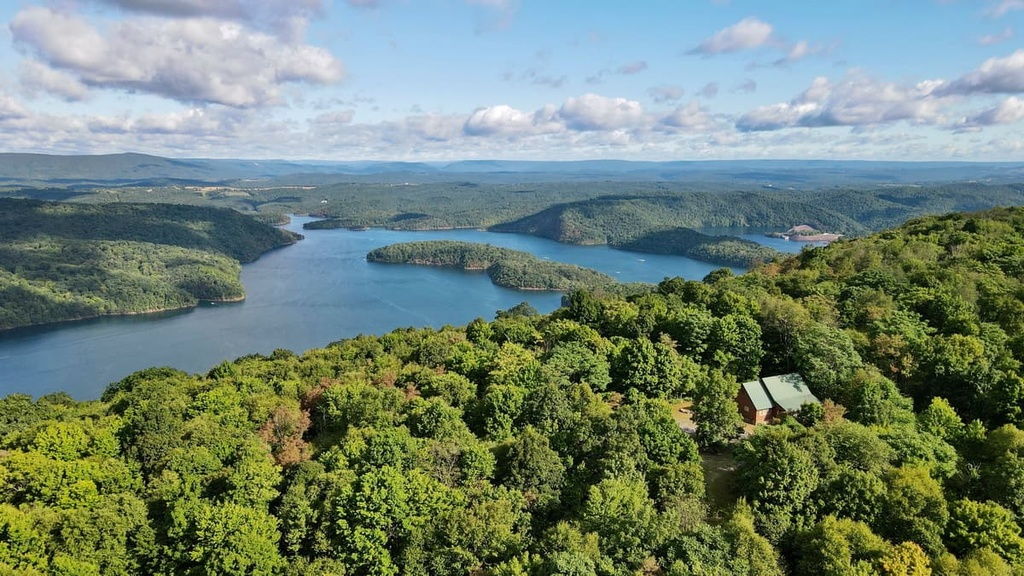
303 296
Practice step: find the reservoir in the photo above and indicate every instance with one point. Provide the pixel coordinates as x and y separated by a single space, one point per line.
303 296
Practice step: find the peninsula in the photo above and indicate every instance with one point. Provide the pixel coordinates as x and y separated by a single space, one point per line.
506 267
63 261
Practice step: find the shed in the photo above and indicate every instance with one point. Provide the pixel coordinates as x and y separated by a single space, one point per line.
754 402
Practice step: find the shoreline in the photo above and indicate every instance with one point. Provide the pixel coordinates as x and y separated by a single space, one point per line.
55 323
719 263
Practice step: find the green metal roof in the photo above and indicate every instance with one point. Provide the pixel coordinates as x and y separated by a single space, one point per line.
758 395
788 391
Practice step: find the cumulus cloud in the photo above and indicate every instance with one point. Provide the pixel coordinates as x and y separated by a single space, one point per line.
181 8
665 93
11 108
594 112
508 121
995 76
251 10
37 78
1007 112
198 60
855 101
288 18
859 101
690 118
744 35
990 39
198 122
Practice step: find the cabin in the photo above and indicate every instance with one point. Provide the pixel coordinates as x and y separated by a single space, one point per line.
766 399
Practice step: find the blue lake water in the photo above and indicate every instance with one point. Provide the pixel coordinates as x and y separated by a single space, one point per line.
303 296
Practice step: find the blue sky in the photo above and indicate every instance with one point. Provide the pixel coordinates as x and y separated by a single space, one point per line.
438 80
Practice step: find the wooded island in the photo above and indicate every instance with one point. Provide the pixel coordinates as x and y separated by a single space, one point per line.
506 267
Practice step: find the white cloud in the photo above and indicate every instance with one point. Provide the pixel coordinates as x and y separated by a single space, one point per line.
508 121
709 90
628 69
1004 7
37 77
594 112
665 93
330 124
181 8
1008 111
546 80
11 108
194 122
634 67
856 101
995 76
799 51
287 18
249 10
428 127
690 118
198 60
990 39
744 35
503 11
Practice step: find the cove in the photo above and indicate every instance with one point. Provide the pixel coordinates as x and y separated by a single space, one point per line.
302 296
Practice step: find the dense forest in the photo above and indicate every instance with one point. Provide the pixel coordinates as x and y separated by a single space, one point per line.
417 205
726 250
63 261
506 267
634 215
607 211
534 445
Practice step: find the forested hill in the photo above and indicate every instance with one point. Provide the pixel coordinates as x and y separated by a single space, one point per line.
622 221
62 261
217 230
540 445
506 267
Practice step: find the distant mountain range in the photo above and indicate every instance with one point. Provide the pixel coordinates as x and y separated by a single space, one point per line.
140 169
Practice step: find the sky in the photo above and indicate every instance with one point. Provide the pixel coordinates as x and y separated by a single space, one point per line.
440 80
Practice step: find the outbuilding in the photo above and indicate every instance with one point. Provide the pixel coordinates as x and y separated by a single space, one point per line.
766 399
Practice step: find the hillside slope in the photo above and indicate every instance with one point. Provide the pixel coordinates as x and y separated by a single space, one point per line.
549 444
62 261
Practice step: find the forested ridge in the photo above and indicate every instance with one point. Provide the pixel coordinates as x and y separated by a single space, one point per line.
506 267
727 250
648 217
545 444
603 212
62 261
